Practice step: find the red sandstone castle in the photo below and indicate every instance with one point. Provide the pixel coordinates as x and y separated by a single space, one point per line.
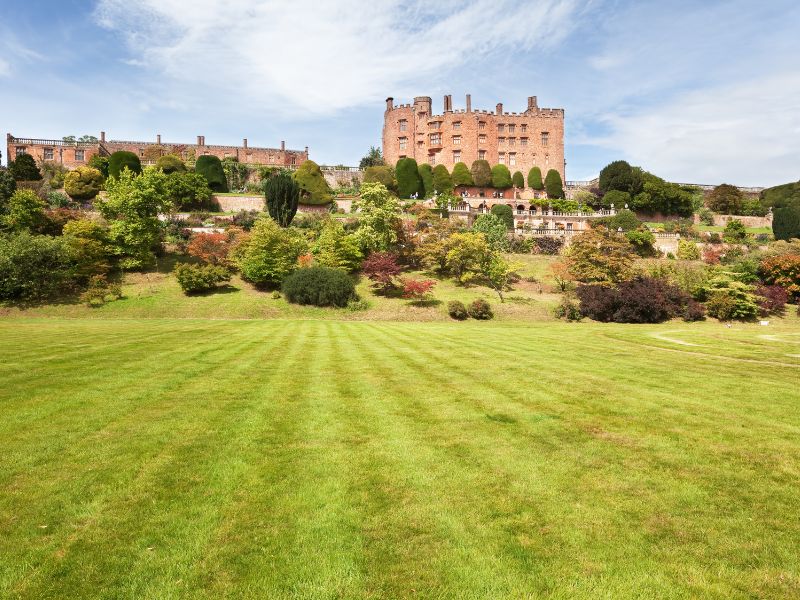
75 154
518 140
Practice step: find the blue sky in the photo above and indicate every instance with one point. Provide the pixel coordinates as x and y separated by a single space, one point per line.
700 92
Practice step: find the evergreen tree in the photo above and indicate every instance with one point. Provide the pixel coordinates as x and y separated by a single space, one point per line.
282 197
461 175
481 173
442 182
24 168
119 160
408 179
209 167
373 158
518 180
553 184
535 179
426 174
313 187
501 177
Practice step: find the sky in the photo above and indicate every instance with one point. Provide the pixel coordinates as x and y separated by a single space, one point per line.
693 91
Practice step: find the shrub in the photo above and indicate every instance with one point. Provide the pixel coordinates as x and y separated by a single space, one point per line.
495 230
314 189
505 212
548 245
271 253
694 311
771 300
501 177
735 232
553 184
426 175
35 266
442 182
246 219
408 178
169 163
642 241
726 199
282 196
568 310
417 289
319 286
461 175
210 167
535 179
599 256
381 268
481 173
358 305
100 291
598 302
782 270
706 216
212 248
639 300
194 279
729 300
457 310
380 174
8 186
518 180
58 200
479 309
121 159
188 191
714 238
688 250
786 222
84 183
24 210
100 163
336 248
24 168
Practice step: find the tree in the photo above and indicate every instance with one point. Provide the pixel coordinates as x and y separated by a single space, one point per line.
518 180
212 248
34 266
481 173
373 158
599 256
497 273
461 175
620 175
88 240
726 199
688 250
24 168
553 184
121 159
282 197
336 248
8 186
624 219
658 195
24 211
442 182
169 163
535 179
417 290
381 268
786 222
617 198
782 270
235 173
408 179
84 183
379 217
100 163
131 206
735 232
210 167
495 230
501 177
426 175
506 213
465 251
271 253
643 242
380 174
188 190
314 189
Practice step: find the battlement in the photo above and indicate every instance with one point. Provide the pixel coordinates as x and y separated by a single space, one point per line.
425 102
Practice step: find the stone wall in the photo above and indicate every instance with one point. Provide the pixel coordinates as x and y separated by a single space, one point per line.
722 220
342 177
237 203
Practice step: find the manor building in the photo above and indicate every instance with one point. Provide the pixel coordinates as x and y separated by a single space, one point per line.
73 154
520 141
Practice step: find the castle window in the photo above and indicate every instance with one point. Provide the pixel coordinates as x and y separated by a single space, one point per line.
48 154
482 138
403 142
79 155
456 124
512 141
512 159
456 140
456 156
481 154
402 124
545 138
501 140
501 158
501 128
436 139
523 128
510 128
523 141
432 158
481 124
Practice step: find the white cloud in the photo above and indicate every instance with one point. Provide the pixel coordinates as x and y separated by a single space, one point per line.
5 68
747 133
315 58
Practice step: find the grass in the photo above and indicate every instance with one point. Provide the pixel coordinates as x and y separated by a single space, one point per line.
301 458
718 228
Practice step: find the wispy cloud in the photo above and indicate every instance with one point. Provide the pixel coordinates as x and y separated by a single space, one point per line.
315 58
5 68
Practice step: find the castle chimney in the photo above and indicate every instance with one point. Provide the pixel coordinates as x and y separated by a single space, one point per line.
389 103
469 103
283 146
449 103
199 140
103 136
244 143
532 103
499 108
158 138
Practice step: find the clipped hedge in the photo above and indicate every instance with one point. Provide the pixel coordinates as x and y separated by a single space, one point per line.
408 178
501 177
210 167
319 286
121 159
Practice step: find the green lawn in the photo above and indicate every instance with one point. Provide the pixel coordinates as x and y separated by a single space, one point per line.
303 458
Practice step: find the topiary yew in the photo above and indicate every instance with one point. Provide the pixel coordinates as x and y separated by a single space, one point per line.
210 167
121 159
169 163
553 184
84 183
461 175
518 180
481 173
535 179
409 181
501 177
442 182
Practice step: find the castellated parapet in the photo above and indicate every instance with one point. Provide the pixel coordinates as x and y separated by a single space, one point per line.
519 140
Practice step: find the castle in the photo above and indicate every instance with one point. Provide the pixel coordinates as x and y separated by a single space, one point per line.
520 141
73 154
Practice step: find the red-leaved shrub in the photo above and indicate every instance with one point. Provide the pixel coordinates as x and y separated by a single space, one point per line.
382 268
417 289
